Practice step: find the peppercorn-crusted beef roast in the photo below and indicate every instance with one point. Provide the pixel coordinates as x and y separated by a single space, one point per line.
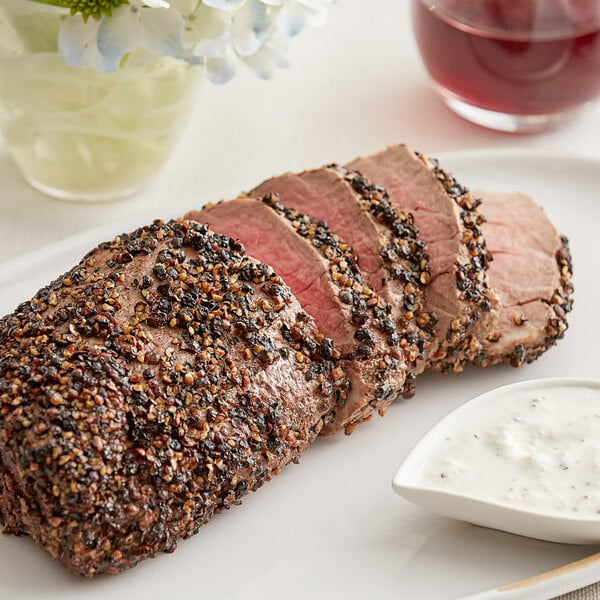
320 270
169 372
530 273
446 215
392 257
149 388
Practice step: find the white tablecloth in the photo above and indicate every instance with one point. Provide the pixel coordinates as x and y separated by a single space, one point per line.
354 87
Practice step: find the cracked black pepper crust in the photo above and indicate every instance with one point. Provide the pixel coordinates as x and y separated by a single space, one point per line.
149 388
463 340
405 259
377 355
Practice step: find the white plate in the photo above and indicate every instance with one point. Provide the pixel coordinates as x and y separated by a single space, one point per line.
331 527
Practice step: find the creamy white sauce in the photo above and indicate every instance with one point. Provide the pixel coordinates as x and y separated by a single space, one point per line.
534 450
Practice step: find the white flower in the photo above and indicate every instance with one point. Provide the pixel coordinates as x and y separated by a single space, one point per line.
203 24
249 28
78 44
215 33
206 39
229 5
156 3
156 30
244 35
297 14
149 25
272 54
218 57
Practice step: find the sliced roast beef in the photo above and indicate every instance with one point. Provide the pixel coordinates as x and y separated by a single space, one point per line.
446 215
391 256
320 270
148 388
530 273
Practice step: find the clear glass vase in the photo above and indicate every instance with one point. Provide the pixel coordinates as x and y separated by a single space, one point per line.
78 134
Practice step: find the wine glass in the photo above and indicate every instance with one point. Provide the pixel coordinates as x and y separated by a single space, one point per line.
511 65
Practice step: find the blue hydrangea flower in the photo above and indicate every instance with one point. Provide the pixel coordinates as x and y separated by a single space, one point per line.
272 55
215 33
229 5
295 15
156 30
78 44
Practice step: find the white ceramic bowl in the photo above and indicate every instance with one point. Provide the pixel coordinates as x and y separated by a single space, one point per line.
523 521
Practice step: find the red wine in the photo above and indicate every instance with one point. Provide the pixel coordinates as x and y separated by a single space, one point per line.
502 55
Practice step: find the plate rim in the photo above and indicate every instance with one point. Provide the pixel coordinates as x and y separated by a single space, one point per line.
150 214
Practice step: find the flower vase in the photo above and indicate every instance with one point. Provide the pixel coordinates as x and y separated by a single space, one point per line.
79 134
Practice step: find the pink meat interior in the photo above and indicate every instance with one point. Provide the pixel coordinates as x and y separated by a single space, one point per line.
272 240
414 188
327 197
523 243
